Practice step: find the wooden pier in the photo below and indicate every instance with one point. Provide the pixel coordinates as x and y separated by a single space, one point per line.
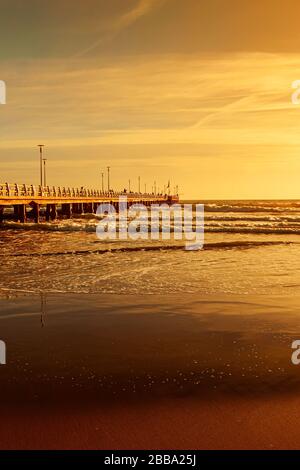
45 203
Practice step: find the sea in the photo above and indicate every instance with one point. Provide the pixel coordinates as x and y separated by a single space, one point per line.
250 247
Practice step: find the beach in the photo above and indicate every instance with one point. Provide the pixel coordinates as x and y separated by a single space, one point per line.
114 348
134 373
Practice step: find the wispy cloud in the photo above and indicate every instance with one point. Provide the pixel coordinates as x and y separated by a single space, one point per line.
240 99
142 8
226 115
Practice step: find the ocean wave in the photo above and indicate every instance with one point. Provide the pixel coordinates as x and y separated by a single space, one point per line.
252 208
271 226
256 230
61 226
143 248
253 218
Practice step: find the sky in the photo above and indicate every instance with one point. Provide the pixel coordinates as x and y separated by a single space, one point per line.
197 92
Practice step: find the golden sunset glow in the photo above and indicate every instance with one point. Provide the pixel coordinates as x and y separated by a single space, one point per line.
149 229
157 88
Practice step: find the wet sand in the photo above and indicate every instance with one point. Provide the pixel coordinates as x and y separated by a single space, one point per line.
261 423
131 372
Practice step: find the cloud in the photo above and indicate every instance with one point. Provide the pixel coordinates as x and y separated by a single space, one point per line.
142 8
226 115
245 99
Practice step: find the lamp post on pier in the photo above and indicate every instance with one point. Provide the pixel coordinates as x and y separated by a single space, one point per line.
108 178
41 147
44 161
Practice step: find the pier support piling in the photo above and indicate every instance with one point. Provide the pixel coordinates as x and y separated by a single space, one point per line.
53 212
16 213
87 209
48 212
22 213
36 212
67 210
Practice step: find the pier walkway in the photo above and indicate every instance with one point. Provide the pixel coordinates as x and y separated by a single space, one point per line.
68 200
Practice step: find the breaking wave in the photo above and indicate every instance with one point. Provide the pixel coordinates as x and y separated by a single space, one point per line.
141 248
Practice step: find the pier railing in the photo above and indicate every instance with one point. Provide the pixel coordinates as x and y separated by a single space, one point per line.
15 190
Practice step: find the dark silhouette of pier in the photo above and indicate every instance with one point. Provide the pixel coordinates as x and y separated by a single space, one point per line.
31 202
